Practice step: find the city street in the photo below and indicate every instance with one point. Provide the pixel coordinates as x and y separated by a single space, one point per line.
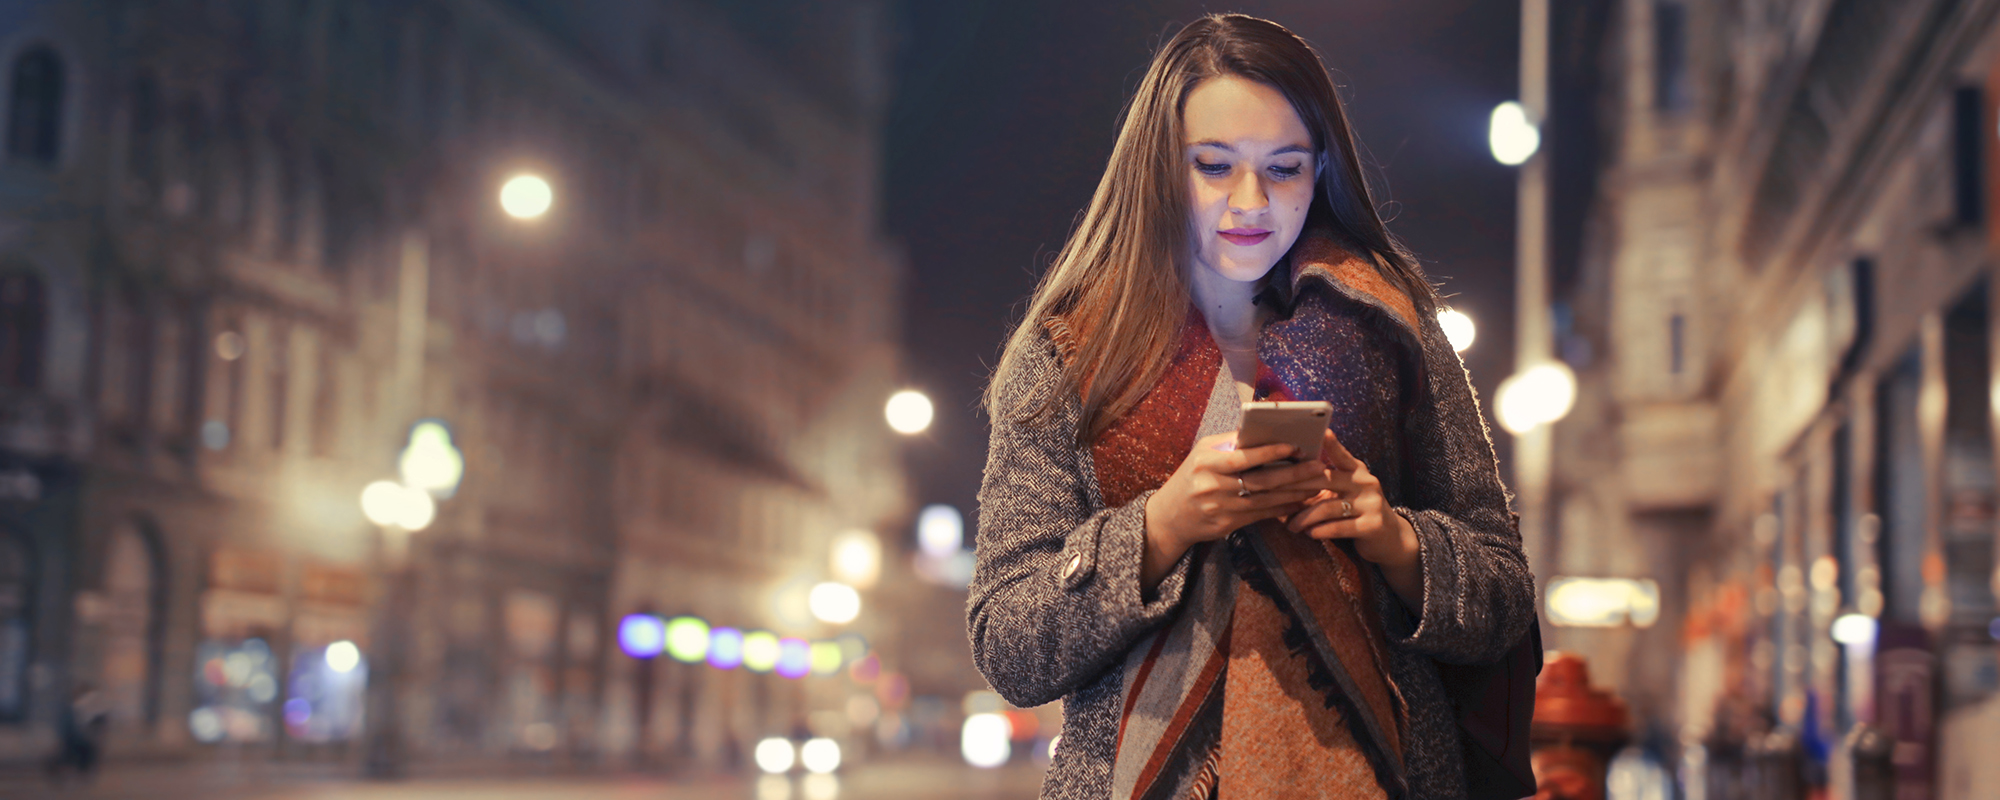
912 778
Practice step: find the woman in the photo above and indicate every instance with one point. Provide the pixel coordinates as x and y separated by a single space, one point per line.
1219 621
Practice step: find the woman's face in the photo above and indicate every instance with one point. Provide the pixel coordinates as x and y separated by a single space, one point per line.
1251 169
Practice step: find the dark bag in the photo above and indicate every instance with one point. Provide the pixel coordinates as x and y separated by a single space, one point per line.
1493 704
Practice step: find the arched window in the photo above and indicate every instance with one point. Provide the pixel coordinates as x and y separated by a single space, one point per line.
23 324
17 576
34 119
131 630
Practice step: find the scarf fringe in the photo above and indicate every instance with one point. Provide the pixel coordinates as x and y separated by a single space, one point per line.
1319 677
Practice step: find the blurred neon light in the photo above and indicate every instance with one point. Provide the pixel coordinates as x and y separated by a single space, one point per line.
687 639
641 635
1854 629
725 648
1603 602
760 651
794 658
825 658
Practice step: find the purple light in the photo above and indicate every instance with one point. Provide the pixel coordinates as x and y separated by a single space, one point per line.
725 648
642 635
297 712
794 657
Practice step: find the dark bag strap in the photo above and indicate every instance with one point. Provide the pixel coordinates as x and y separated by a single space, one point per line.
1494 703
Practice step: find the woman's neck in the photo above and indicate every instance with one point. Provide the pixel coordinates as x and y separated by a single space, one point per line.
1230 308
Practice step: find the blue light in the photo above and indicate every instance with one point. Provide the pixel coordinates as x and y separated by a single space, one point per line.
725 648
642 635
794 657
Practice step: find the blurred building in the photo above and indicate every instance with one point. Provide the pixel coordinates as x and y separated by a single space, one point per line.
1781 311
245 245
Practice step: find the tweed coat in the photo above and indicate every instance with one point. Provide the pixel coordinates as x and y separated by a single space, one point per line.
1055 603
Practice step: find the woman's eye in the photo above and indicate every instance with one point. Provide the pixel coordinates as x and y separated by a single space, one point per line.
1206 168
1282 173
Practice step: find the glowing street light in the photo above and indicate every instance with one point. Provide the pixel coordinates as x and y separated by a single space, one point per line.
526 196
836 603
430 462
1538 395
343 656
1458 328
1512 136
393 505
909 412
857 558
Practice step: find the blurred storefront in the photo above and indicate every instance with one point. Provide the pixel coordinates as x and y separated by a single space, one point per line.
244 246
1779 301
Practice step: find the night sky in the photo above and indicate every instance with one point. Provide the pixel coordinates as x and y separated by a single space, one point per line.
1005 113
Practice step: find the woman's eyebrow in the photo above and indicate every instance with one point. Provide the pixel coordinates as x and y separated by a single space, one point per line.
1228 148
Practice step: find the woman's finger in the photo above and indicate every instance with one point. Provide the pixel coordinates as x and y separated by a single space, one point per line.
1312 475
1240 460
1335 454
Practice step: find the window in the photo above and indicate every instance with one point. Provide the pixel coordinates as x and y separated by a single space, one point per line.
1968 134
278 372
131 628
17 574
23 320
142 151
1670 89
34 112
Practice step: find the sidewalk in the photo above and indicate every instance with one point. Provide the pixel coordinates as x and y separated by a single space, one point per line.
902 776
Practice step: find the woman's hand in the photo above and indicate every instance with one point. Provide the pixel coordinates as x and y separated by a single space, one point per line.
1353 507
1218 489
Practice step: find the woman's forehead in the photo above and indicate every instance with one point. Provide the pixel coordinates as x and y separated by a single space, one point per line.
1244 117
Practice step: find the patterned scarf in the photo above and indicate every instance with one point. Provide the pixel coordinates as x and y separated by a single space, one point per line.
1273 681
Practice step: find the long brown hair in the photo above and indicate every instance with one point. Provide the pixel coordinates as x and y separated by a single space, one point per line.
1118 283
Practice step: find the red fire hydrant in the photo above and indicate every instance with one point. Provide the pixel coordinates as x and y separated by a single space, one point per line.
1575 733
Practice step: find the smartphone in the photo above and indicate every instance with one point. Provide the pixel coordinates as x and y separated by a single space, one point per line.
1299 423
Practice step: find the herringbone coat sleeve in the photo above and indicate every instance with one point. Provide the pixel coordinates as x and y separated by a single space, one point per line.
1055 596
1479 595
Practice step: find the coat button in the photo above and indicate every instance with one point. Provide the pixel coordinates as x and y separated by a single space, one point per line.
1070 568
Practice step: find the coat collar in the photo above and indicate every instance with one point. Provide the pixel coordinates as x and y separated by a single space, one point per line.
1317 256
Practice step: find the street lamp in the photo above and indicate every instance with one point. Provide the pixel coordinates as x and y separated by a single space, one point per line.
526 196
1512 136
430 466
1535 396
909 412
1458 328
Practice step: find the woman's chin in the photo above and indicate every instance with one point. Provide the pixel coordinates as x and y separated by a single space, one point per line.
1245 271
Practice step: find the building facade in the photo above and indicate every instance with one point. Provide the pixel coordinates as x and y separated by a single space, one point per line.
244 246
1782 319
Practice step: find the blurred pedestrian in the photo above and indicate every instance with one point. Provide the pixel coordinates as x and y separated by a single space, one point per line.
80 734
1221 621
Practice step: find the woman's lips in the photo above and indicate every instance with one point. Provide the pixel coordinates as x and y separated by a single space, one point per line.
1245 237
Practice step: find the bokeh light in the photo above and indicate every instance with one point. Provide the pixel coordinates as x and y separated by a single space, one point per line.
641 635
986 740
687 639
821 755
857 558
825 658
774 755
725 648
430 462
760 651
794 658
343 656
836 603
1512 136
526 196
909 412
940 530
1458 328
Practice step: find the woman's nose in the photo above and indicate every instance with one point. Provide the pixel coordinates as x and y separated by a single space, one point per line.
1248 195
